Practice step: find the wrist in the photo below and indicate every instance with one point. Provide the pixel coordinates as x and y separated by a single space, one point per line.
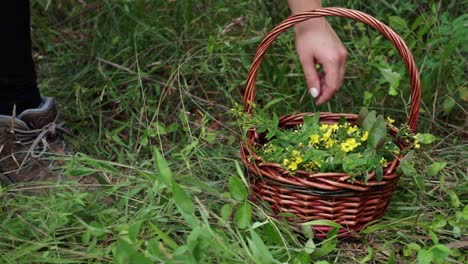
297 6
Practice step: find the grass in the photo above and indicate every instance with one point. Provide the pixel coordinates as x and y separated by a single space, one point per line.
146 87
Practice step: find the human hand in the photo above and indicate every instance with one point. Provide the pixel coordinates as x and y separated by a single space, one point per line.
317 43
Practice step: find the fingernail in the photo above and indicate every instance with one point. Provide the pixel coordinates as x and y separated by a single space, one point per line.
314 92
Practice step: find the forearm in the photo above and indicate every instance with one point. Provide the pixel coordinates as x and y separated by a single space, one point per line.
297 6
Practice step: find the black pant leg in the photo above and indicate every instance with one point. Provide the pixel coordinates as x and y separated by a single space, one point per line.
18 84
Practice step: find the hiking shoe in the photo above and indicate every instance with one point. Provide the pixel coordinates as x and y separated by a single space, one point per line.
27 142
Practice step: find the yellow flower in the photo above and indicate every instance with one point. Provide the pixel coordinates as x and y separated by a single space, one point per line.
295 153
292 166
327 135
351 130
285 162
349 145
365 136
416 142
324 127
301 144
390 121
298 160
314 139
329 143
334 127
383 162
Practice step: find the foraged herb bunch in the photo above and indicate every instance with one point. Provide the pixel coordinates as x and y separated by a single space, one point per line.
340 147
356 149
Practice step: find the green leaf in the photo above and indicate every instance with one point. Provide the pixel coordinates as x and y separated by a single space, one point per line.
363 113
392 257
465 212
369 256
302 258
397 22
434 237
226 211
449 104
369 121
435 168
329 245
164 237
393 78
237 189
259 249
454 199
244 215
307 231
426 138
309 247
134 231
379 173
272 233
182 199
440 252
322 223
161 166
425 256
378 133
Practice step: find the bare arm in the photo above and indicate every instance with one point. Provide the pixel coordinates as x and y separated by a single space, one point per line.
317 43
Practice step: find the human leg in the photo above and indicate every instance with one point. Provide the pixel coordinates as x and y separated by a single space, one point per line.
18 87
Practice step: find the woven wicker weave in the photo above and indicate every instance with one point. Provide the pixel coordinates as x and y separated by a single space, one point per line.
330 196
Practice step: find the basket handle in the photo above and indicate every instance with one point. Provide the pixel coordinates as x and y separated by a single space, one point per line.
347 13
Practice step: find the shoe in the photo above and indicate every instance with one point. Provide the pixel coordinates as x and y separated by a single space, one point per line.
27 143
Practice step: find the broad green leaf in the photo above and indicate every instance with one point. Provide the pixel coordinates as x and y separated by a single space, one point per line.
302 258
363 113
454 199
244 215
182 199
309 247
259 249
226 211
440 251
134 231
393 78
425 256
161 166
369 121
435 168
272 233
397 22
426 138
378 133
307 231
434 237
237 189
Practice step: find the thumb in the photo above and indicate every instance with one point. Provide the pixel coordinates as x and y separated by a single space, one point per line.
312 78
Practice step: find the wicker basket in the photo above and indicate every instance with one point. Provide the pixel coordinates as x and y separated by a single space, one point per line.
330 196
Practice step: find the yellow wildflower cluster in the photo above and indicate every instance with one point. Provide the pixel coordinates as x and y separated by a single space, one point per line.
349 144
294 162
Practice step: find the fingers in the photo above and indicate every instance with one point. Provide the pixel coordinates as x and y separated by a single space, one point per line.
311 76
332 78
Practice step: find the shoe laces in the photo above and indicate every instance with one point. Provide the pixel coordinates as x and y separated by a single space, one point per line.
39 138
